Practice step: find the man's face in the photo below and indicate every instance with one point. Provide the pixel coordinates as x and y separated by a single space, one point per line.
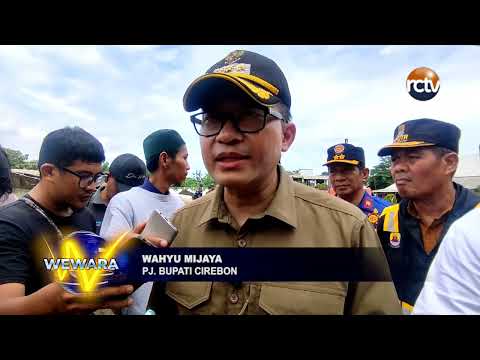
346 179
418 172
179 167
66 185
111 187
239 160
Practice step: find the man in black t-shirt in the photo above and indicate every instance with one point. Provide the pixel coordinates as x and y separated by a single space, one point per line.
70 162
23 230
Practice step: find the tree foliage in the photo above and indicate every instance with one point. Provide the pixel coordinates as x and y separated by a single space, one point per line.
198 180
105 166
18 160
380 176
391 198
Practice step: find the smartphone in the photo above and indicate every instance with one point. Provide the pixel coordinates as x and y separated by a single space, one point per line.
158 225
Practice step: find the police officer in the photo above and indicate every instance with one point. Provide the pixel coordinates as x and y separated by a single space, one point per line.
244 125
424 160
347 172
126 171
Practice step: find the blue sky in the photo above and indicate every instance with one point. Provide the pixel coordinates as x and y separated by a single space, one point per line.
121 94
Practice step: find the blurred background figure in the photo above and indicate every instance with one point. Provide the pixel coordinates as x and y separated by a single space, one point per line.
126 171
6 189
198 193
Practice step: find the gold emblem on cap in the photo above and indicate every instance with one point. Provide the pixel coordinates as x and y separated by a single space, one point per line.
401 136
234 68
233 56
339 157
338 149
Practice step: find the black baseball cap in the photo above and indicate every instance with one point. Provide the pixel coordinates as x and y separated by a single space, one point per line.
256 75
345 153
128 170
423 132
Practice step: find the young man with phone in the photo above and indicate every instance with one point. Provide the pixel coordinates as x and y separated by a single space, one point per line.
166 158
70 161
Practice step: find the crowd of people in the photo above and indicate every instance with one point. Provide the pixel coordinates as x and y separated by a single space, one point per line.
242 104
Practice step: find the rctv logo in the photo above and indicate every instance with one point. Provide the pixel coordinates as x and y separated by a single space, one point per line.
423 84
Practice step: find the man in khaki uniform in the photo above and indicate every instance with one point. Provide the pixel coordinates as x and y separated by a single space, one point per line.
244 126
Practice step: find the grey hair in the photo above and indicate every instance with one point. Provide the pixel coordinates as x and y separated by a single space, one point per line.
440 151
283 111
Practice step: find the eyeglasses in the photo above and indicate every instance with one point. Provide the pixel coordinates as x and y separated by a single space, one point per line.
249 121
85 181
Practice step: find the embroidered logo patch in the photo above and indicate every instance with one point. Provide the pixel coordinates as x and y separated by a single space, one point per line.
395 239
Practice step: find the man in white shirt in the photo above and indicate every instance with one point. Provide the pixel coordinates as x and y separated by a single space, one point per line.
166 157
452 286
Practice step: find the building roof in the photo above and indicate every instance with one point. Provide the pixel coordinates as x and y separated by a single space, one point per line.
298 175
389 189
315 177
468 165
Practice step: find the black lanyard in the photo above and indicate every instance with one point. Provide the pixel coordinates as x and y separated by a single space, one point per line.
39 210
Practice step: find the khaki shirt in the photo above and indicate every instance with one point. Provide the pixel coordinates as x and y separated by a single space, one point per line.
298 216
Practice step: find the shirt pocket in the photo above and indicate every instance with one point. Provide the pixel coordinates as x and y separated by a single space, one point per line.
189 294
303 299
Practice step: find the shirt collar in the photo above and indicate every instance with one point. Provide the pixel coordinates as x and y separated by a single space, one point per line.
282 206
412 211
147 185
